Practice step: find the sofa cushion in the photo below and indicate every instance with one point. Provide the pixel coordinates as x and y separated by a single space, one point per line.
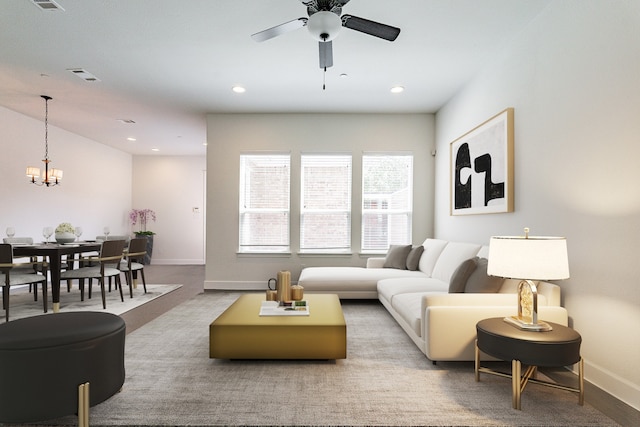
397 257
459 278
432 250
408 306
480 282
338 279
413 259
451 257
389 288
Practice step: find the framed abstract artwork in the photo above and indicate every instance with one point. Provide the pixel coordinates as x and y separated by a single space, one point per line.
481 165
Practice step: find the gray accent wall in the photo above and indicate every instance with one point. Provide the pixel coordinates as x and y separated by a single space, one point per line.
229 135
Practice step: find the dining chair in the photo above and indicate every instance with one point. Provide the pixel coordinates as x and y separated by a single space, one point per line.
107 266
133 263
28 268
25 273
113 237
18 240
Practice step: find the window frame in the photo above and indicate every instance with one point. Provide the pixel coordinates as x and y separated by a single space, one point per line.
243 210
407 211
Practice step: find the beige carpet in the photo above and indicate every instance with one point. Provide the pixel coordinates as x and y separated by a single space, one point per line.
21 303
385 380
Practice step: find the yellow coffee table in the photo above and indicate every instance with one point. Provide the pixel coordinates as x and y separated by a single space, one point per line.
241 333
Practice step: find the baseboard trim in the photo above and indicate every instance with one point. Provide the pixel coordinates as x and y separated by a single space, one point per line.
608 404
231 285
612 384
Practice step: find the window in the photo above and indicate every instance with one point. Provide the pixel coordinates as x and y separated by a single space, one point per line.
387 200
325 211
264 202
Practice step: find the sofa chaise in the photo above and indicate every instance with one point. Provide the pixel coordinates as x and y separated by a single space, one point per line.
439 301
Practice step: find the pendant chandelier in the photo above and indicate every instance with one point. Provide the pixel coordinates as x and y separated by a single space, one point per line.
50 177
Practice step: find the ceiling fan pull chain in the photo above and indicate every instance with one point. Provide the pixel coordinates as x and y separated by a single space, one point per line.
324 79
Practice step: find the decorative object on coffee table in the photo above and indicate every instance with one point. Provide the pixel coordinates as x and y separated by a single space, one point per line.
283 286
297 293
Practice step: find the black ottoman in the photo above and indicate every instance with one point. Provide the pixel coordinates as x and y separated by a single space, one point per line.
555 348
45 362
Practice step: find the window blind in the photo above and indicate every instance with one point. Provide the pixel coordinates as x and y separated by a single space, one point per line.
387 200
325 212
264 202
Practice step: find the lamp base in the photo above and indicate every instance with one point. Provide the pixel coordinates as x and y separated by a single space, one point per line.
535 327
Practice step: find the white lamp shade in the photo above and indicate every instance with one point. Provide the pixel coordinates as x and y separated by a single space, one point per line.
56 173
532 258
33 172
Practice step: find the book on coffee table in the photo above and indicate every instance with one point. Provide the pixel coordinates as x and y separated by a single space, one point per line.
273 308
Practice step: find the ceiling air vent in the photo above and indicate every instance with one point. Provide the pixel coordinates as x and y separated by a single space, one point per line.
47 5
84 74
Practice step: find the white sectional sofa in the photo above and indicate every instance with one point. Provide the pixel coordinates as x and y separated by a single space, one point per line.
440 323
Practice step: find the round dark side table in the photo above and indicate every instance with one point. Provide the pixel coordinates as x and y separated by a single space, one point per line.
558 347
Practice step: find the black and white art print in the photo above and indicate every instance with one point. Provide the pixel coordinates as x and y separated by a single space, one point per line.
482 168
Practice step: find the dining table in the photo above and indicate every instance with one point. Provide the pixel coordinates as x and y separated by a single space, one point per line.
54 253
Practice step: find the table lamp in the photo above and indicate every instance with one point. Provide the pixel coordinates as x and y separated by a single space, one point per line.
528 259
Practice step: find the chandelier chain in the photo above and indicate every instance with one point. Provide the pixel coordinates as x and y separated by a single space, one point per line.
46 129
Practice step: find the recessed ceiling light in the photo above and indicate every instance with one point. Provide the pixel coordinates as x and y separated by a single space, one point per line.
131 139
344 75
397 89
238 89
155 149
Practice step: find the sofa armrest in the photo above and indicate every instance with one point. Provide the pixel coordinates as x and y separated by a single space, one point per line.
375 262
449 320
450 332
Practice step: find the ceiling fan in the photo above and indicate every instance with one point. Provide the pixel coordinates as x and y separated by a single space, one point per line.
324 23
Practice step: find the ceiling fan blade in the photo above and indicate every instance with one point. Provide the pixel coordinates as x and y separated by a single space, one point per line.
326 54
372 28
279 30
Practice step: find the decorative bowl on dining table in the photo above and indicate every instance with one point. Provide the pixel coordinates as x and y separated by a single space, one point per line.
65 237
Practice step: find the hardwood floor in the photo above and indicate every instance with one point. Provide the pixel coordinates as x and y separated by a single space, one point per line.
191 277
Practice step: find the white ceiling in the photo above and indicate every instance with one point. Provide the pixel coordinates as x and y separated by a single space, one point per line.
165 64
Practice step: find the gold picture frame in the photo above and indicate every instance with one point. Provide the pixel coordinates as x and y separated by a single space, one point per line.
481 168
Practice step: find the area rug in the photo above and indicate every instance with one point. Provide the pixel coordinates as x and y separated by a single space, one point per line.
385 380
21 303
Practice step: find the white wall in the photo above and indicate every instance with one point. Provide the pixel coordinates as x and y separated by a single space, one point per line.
95 190
231 134
572 77
174 188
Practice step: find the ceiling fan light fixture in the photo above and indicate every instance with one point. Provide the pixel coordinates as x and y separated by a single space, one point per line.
324 26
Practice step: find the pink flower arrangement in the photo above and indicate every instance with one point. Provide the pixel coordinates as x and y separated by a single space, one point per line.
143 216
